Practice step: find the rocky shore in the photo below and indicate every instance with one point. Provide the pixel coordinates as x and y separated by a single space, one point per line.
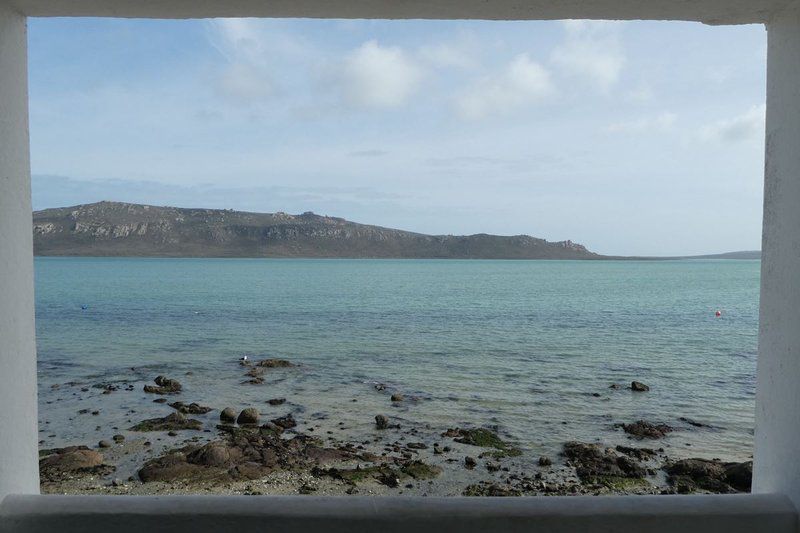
273 448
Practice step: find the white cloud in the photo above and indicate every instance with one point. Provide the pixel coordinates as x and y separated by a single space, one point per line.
375 76
748 125
447 55
591 50
252 49
660 122
522 82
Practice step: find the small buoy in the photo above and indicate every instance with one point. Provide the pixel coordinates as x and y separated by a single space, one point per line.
718 313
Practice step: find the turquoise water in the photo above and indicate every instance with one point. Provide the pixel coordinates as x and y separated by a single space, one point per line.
521 345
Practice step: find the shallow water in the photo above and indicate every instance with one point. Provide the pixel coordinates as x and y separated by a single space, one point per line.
521 345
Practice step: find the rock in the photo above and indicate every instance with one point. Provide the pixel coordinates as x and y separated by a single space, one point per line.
248 416
70 462
614 386
275 363
417 446
277 401
545 461
484 438
104 444
172 422
164 385
420 470
470 462
639 387
690 475
645 430
190 409
118 438
381 422
694 422
398 397
485 488
596 464
642 454
228 415
286 422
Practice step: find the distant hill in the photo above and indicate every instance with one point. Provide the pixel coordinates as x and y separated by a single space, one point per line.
122 229
748 254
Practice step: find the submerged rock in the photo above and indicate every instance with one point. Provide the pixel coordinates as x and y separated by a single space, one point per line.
645 430
172 422
638 386
381 422
275 363
277 401
545 461
164 385
190 409
398 397
285 422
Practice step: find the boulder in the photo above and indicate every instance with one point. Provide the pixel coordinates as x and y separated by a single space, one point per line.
639 386
248 415
381 422
398 397
277 401
286 422
227 415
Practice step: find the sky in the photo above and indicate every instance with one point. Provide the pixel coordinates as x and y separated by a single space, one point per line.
632 138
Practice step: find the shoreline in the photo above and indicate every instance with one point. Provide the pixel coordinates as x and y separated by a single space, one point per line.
193 448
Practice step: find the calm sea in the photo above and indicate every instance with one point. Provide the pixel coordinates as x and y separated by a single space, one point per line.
530 347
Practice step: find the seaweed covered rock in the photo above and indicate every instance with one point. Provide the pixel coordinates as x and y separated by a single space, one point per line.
164 385
484 438
173 422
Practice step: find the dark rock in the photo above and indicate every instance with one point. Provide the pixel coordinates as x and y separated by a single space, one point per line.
691 475
596 464
639 386
164 385
104 444
118 438
286 422
172 422
190 409
275 363
694 422
381 422
398 397
642 454
248 415
228 415
545 461
277 401
470 462
645 430
490 489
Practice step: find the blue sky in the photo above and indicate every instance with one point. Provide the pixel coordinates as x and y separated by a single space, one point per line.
628 137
